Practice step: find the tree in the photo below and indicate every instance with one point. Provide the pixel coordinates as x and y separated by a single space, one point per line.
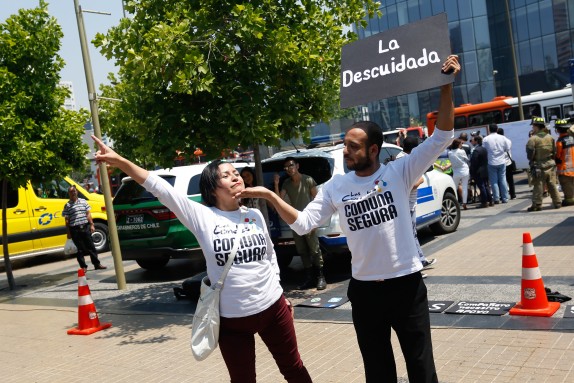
40 139
217 73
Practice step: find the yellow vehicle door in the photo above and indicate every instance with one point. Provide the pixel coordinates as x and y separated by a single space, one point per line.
18 214
47 203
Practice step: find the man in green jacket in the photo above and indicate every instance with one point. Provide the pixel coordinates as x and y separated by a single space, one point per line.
541 150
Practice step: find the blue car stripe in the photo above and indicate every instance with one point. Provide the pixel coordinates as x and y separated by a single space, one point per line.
425 195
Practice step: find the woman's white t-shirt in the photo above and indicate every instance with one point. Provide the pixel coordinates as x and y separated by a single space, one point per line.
459 162
252 284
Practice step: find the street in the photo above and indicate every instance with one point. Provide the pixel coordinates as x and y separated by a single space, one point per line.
149 339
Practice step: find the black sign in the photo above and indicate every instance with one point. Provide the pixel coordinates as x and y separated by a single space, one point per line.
395 62
569 312
439 306
481 308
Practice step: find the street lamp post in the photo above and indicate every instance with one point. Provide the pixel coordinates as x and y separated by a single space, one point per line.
113 232
516 79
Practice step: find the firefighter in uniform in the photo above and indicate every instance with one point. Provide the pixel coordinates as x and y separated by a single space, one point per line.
541 151
565 160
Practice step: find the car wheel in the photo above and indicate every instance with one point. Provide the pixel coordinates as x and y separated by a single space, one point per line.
153 263
101 237
449 215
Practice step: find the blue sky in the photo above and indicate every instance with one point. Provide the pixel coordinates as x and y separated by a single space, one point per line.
63 11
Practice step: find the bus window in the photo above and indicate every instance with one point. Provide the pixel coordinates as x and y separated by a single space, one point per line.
508 115
460 122
485 118
568 108
553 112
529 111
532 110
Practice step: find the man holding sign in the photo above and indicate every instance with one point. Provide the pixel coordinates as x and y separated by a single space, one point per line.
386 289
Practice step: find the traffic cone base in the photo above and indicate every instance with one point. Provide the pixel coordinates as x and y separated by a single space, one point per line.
88 331
533 295
543 312
88 321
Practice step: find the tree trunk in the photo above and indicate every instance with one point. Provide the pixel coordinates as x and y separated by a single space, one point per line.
259 176
7 264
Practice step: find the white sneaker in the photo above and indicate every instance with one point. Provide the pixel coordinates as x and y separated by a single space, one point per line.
428 263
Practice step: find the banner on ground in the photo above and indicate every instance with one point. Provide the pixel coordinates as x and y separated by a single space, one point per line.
395 62
481 308
325 301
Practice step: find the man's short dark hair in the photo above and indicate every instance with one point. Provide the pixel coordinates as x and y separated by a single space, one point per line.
409 143
290 159
478 139
463 136
373 131
493 128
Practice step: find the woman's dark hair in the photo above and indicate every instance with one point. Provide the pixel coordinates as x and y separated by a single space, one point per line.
208 182
455 144
249 170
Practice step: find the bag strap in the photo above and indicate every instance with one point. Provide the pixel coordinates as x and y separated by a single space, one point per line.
229 262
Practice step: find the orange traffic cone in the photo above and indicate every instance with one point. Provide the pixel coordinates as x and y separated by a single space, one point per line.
88 322
533 296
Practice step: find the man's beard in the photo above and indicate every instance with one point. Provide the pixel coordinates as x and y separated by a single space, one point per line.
360 164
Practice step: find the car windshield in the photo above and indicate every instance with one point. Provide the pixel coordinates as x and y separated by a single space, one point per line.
131 192
320 168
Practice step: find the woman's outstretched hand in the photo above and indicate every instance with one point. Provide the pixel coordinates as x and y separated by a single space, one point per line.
255 192
105 154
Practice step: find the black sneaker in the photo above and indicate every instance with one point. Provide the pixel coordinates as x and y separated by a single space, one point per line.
428 263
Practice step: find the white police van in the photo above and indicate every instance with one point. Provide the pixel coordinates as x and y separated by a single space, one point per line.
437 202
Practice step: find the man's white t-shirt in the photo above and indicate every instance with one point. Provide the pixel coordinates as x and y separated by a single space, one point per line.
374 212
252 284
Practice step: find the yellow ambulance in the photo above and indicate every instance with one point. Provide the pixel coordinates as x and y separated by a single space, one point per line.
35 222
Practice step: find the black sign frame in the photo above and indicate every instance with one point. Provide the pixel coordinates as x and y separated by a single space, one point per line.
395 62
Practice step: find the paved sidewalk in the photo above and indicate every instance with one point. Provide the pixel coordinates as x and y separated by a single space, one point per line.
149 339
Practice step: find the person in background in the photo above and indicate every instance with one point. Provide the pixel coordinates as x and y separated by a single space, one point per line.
541 151
465 146
408 144
386 290
496 147
529 175
252 300
479 171
510 168
249 179
442 163
460 171
565 160
301 189
80 226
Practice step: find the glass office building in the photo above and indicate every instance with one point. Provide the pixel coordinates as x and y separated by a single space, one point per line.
543 34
